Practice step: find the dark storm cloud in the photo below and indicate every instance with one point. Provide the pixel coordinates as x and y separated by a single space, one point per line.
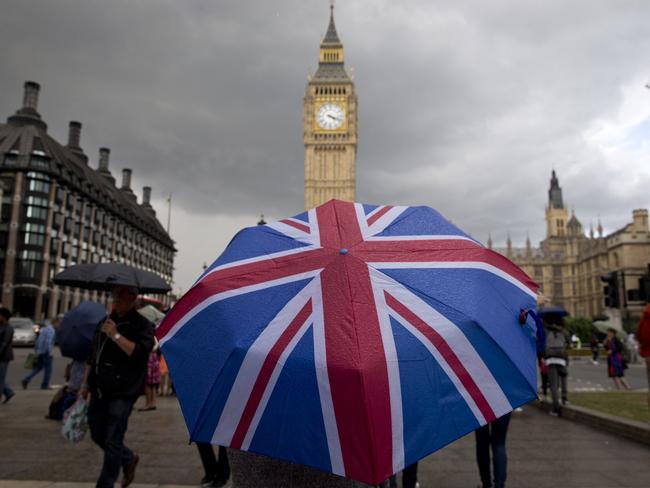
465 106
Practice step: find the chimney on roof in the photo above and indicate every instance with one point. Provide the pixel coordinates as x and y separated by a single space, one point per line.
28 113
30 95
146 200
74 134
126 179
146 196
104 154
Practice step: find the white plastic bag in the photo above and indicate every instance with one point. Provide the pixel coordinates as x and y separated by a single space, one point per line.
75 421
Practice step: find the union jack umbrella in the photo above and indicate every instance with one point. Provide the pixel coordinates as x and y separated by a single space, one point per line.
356 339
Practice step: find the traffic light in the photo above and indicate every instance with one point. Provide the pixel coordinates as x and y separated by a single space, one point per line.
610 290
644 286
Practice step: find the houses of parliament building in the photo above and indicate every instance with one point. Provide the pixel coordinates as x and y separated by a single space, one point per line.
569 263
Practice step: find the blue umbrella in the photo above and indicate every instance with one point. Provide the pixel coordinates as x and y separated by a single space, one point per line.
75 334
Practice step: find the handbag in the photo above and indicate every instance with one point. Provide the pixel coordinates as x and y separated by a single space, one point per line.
75 421
31 360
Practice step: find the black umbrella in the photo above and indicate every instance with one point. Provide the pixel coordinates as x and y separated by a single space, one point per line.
104 276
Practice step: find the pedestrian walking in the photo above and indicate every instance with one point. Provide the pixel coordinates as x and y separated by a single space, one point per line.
115 377
153 380
556 359
165 387
632 348
6 353
492 436
595 348
43 349
217 470
643 336
616 365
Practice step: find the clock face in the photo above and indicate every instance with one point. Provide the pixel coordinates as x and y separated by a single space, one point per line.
330 116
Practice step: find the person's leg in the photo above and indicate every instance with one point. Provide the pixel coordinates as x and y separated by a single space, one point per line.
116 454
483 455
410 476
499 456
97 420
647 371
35 370
624 382
563 385
47 373
152 398
147 396
544 375
208 460
223 466
4 387
617 382
553 380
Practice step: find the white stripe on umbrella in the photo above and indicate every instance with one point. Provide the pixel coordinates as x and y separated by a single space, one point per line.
272 382
252 364
394 383
324 390
456 265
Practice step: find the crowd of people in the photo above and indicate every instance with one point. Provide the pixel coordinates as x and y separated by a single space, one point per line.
126 363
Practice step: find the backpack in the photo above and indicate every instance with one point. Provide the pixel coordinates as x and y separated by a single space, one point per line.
555 344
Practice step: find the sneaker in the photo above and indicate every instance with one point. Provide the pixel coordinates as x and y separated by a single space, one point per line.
9 397
129 471
207 481
554 413
24 383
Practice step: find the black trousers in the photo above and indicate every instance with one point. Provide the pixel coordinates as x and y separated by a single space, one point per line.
214 468
108 421
493 435
409 477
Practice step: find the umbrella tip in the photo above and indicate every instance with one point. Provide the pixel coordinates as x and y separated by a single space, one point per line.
343 251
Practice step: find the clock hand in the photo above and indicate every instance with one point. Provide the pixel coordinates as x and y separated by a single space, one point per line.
333 118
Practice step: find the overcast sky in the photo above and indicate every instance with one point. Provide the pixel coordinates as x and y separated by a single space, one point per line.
464 105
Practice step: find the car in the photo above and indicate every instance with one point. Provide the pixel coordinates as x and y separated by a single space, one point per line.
25 331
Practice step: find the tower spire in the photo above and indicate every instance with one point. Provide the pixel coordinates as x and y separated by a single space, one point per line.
331 37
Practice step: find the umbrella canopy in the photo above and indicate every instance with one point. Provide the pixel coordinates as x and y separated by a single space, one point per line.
352 338
104 276
151 313
552 311
75 333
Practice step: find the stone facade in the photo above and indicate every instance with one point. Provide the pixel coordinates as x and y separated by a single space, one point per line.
57 211
330 127
569 263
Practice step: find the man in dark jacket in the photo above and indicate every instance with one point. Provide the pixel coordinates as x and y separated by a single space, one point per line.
6 352
115 377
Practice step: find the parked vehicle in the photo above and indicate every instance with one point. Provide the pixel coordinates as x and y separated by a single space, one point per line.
25 331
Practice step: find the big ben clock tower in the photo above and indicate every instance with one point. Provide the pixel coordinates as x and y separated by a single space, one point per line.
330 126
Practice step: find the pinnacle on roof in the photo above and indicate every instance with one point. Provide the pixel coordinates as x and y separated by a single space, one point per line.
555 192
331 37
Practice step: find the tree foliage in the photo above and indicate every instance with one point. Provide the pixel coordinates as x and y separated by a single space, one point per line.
583 327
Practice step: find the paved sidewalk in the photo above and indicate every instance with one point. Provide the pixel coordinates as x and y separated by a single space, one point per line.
543 452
